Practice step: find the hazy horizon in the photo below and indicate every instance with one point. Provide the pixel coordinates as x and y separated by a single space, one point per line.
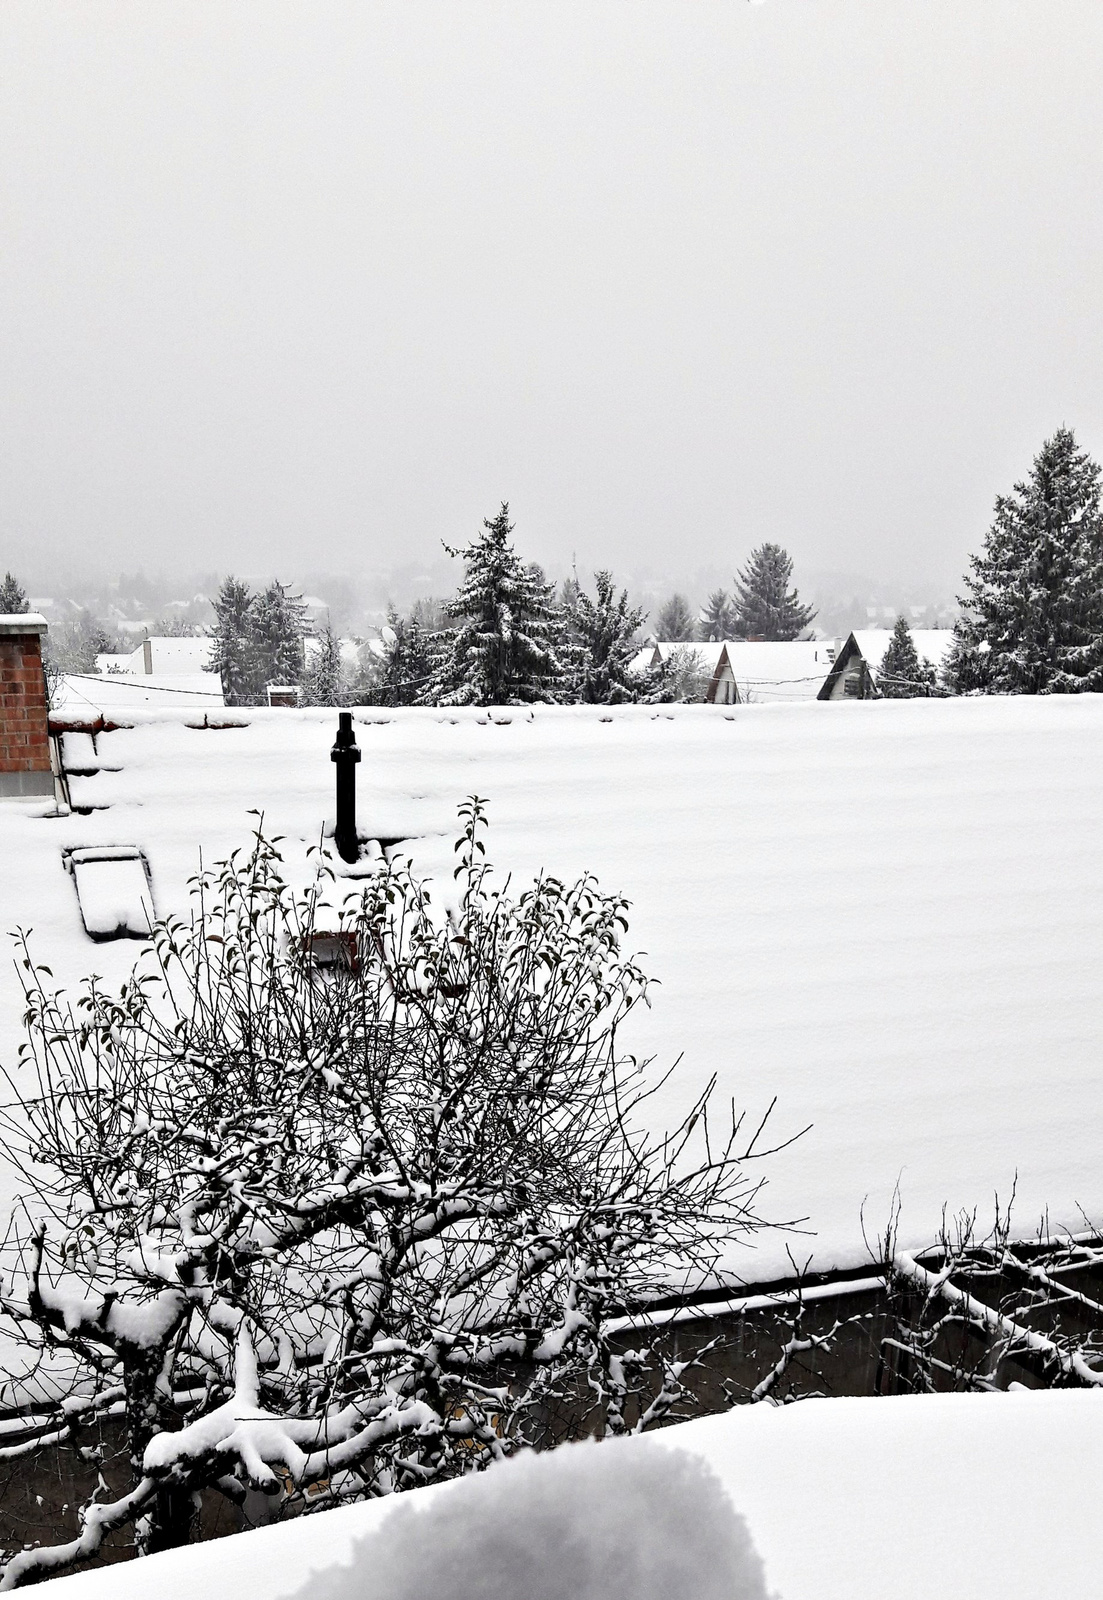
292 288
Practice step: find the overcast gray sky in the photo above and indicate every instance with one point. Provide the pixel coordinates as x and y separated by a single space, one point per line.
672 276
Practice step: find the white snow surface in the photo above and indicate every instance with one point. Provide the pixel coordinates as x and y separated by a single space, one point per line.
920 1497
89 694
885 914
113 892
582 1523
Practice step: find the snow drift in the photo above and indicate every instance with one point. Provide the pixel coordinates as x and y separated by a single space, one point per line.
921 1497
585 1523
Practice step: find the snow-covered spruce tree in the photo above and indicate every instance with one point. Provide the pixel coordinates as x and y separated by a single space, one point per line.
13 596
675 623
276 630
765 606
346 1230
232 654
1034 602
400 674
324 675
505 647
902 675
602 638
718 618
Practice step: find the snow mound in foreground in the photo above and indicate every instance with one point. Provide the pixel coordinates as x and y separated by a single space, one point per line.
588 1522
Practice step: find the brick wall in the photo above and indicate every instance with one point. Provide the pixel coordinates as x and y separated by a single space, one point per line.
24 728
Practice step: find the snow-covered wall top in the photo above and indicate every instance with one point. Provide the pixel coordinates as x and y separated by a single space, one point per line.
886 914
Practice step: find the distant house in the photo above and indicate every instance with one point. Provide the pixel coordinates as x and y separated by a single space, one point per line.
854 674
768 672
350 650
162 671
754 671
160 657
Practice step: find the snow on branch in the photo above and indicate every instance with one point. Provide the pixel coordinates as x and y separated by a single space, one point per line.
344 1230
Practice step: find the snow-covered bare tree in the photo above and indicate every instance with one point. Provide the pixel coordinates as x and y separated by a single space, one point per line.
983 1308
504 648
342 1207
602 638
1033 622
765 606
902 675
675 623
76 644
682 676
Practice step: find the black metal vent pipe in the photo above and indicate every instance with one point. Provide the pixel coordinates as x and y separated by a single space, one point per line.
345 754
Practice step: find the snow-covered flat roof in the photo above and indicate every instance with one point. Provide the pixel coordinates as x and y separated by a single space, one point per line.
888 916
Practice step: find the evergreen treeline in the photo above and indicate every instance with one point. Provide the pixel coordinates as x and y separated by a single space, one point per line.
506 638
1032 621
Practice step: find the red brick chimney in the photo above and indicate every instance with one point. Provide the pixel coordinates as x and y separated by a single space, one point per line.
24 729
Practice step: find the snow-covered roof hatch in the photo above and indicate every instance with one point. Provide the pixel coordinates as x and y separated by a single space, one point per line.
114 891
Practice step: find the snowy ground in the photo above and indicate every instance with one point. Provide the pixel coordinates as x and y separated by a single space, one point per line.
885 914
928 1497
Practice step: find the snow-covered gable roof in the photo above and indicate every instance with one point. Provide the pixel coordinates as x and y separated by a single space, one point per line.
916 975
708 650
933 644
766 672
648 656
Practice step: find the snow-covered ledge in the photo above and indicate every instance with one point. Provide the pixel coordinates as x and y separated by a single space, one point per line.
25 768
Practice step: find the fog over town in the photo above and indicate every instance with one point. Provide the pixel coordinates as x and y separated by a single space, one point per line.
308 296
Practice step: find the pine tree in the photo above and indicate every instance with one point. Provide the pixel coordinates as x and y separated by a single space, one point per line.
902 675
765 606
1034 601
718 618
232 655
505 647
324 676
13 597
602 635
675 623
276 636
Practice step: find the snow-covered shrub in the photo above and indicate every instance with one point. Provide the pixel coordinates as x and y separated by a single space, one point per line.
324 1231
624 1523
682 677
